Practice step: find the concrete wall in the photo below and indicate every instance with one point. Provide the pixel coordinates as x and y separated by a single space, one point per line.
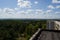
57 25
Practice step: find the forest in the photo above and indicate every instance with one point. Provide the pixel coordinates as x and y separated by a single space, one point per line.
19 29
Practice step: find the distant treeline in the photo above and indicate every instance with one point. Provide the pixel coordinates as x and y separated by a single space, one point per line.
19 29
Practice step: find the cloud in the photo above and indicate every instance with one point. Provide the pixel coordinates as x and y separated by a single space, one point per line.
39 11
16 9
24 4
8 10
54 7
36 2
8 13
49 11
30 13
36 11
20 0
58 6
21 12
0 10
51 7
57 12
55 1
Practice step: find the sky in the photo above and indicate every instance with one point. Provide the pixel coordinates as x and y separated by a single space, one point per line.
29 9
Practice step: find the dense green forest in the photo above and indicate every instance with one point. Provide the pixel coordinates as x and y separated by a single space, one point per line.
19 29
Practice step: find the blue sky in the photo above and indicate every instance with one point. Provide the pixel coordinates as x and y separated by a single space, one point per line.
30 9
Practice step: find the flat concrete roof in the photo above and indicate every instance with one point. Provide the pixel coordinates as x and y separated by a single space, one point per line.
46 34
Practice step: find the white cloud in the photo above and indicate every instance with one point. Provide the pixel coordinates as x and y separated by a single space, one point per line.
39 11
8 10
24 4
58 6
30 11
55 1
0 10
36 11
54 7
36 2
49 11
20 0
7 13
51 7
57 12
16 9
28 14
11 13
21 12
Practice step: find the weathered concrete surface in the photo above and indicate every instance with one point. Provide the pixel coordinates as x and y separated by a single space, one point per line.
49 35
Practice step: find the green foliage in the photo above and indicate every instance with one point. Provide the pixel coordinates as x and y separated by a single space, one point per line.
12 29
